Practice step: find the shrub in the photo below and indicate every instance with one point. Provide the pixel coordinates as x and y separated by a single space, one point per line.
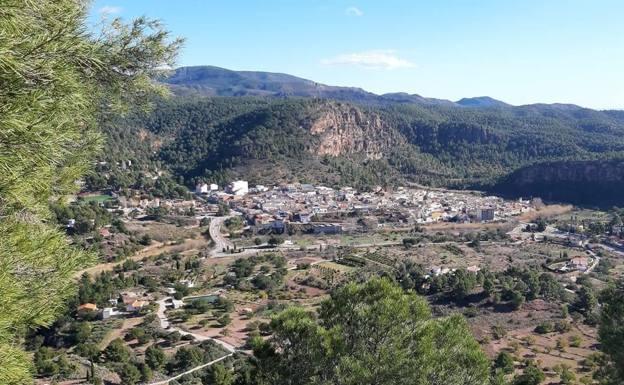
544 328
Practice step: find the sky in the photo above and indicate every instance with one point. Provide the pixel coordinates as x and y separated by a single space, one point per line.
518 51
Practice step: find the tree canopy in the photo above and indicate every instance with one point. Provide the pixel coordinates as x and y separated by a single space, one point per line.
371 333
58 80
611 332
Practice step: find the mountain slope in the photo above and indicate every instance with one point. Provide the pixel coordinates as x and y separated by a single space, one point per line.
269 140
346 136
215 81
593 182
482 102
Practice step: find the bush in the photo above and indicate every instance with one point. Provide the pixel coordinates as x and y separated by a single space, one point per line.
532 375
129 374
575 341
117 351
224 320
505 362
275 240
155 357
498 332
544 328
562 344
563 327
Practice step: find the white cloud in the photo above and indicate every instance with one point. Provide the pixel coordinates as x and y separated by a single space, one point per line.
373 59
109 10
354 11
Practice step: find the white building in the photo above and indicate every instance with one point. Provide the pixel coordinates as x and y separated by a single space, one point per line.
109 312
239 187
214 187
201 188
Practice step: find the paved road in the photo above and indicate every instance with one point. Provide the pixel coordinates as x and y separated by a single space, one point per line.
220 241
596 262
164 382
612 249
164 323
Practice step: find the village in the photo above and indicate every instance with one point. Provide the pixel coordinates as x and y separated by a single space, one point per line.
301 202
208 271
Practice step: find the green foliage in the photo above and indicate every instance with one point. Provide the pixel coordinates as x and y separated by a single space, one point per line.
129 374
611 331
373 333
532 375
275 240
52 364
220 375
545 327
565 374
267 139
461 283
155 357
586 302
187 357
234 223
505 362
117 351
57 80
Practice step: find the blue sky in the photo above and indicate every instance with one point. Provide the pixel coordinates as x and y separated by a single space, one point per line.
519 51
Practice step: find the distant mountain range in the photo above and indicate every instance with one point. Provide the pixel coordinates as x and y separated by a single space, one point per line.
216 81
270 127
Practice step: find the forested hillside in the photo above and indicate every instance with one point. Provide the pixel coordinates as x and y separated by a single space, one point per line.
268 140
595 182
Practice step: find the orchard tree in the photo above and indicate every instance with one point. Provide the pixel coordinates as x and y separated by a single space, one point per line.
371 333
611 332
155 357
58 80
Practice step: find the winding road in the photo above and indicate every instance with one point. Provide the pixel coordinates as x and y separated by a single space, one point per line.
164 382
221 242
165 324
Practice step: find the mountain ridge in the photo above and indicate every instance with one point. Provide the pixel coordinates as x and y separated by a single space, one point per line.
266 130
206 80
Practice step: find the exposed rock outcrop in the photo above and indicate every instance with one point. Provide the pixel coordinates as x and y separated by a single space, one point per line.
345 130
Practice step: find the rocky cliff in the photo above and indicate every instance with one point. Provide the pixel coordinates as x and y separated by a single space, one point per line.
344 130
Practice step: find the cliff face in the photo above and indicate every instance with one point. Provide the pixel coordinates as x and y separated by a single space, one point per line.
589 182
347 130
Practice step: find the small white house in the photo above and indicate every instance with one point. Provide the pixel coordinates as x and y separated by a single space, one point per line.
177 303
214 187
109 312
239 187
201 188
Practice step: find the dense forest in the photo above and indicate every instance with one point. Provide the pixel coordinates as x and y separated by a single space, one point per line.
597 183
268 140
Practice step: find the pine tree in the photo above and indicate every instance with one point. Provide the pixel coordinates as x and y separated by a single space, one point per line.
58 80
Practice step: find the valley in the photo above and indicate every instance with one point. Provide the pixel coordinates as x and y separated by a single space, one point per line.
219 263
164 222
211 215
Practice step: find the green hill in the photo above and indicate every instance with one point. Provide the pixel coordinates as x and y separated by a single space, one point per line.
268 140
